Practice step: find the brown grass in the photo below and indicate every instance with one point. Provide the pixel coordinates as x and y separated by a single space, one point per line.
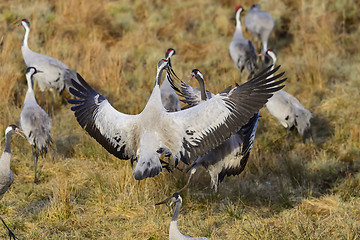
310 191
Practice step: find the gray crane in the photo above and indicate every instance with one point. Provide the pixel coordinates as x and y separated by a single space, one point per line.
231 156
260 24
193 96
287 109
53 74
174 233
6 175
169 98
35 122
184 135
242 51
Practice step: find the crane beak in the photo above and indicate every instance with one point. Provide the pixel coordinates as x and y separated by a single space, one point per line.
163 201
17 22
20 132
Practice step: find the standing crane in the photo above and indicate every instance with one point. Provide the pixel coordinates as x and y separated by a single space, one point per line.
242 51
184 135
35 122
174 233
231 156
169 98
260 24
52 73
6 175
287 109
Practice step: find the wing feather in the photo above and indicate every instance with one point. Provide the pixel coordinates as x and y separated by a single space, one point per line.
187 134
232 111
112 129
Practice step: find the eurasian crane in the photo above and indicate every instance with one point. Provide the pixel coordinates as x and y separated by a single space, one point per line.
174 233
192 96
184 134
287 109
6 175
260 24
52 73
231 156
35 122
242 51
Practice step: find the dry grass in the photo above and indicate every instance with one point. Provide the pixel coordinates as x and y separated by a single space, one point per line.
310 191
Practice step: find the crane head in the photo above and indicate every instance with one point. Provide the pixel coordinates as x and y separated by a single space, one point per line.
32 70
162 64
169 53
255 6
270 56
176 198
239 8
196 73
25 23
12 128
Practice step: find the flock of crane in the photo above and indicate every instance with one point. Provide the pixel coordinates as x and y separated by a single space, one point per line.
212 131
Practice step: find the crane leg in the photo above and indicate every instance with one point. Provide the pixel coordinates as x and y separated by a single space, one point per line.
35 157
43 99
311 135
288 133
240 76
307 135
11 234
214 182
52 104
287 137
166 165
259 44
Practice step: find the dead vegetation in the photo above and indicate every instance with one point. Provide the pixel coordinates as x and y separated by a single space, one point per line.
310 191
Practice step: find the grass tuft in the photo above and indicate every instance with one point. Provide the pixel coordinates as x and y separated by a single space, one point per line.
300 191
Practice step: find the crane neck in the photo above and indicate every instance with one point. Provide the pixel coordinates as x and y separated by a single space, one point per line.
238 29
6 156
174 232
272 68
158 76
273 62
30 83
7 144
30 95
202 88
176 212
25 38
154 103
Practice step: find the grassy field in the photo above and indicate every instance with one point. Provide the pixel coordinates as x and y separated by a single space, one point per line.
307 191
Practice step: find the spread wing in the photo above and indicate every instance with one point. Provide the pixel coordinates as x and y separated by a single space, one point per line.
114 130
207 125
